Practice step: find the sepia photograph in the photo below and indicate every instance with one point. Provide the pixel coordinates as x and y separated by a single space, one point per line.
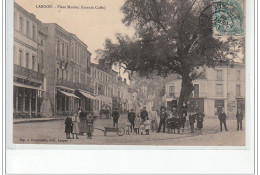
129 72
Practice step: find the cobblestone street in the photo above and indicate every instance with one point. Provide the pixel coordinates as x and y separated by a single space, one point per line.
52 132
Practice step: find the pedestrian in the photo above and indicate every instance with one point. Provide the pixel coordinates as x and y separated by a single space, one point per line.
163 116
142 129
153 119
168 123
82 122
137 124
115 116
200 118
239 117
90 125
127 127
184 115
192 121
176 121
68 127
147 125
144 114
131 117
222 119
75 126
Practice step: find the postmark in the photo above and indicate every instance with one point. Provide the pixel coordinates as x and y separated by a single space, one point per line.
228 17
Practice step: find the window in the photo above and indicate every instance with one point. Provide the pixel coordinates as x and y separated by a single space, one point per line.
238 75
62 49
42 56
219 89
21 24
196 90
33 32
67 51
67 75
57 74
33 63
238 91
42 42
171 90
27 60
58 48
72 51
14 55
27 28
219 74
20 57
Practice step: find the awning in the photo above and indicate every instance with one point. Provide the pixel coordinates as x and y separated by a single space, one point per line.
27 86
69 94
87 95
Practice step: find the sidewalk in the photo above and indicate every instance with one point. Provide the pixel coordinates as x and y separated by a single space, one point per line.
31 120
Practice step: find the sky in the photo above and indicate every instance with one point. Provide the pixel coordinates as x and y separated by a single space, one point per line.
92 26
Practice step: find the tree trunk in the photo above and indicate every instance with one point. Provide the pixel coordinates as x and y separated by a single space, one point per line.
186 90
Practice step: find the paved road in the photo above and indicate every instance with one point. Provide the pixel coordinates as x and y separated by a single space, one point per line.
52 132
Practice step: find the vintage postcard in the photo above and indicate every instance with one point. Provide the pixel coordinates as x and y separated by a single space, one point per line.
114 72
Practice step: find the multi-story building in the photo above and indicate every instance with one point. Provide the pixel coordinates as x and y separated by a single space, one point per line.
116 91
28 87
103 89
223 87
68 74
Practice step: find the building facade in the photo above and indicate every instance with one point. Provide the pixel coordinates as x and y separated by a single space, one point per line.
28 86
222 87
68 74
103 91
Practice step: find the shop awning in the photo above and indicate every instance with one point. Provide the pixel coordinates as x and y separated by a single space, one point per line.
27 86
87 95
69 94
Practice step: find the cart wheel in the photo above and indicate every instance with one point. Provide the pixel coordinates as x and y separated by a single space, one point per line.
120 131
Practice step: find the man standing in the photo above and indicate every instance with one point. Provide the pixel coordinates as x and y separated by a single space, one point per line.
115 116
222 119
144 114
131 118
239 117
153 118
163 117
192 121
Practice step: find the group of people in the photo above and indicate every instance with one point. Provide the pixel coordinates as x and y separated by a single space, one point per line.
145 121
79 124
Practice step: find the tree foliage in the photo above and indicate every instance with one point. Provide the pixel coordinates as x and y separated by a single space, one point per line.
172 36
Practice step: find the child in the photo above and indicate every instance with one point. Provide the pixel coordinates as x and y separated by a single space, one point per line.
142 127
137 124
75 126
127 127
68 127
168 123
147 124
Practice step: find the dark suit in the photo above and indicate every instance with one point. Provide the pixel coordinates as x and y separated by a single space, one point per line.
163 117
131 118
222 119
115 116
239 117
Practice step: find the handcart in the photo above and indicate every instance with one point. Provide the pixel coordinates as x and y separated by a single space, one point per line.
119 131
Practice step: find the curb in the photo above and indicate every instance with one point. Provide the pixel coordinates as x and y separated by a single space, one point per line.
34 121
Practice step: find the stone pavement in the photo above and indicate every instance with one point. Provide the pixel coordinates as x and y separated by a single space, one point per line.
52 132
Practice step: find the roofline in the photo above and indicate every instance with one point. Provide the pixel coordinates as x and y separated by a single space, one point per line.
31 15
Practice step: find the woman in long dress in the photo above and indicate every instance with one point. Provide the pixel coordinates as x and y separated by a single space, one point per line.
75 126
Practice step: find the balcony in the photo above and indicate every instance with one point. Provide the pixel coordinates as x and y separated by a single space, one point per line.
28 74
72 85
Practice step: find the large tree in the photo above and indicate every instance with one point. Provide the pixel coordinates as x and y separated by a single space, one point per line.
172 36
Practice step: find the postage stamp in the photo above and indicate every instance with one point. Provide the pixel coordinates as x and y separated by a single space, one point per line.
228 17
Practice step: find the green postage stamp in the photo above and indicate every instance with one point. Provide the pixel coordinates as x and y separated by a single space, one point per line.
228 17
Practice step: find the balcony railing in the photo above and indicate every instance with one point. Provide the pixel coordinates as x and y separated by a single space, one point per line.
72 85
28 73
